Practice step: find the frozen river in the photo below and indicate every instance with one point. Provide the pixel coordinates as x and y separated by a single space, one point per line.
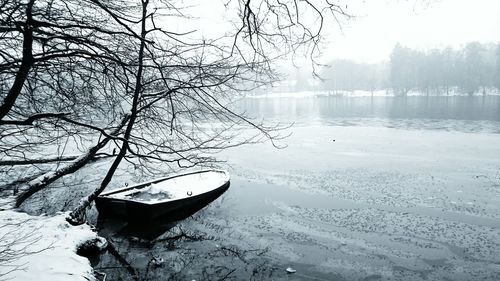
367 188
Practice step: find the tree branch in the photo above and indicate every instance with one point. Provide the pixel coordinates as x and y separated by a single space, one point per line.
29 121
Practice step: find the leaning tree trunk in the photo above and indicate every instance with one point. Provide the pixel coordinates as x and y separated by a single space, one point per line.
44 180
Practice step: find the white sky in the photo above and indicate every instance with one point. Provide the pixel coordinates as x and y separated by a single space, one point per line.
380 24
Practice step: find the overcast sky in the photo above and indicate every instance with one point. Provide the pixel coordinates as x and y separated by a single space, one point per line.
380 24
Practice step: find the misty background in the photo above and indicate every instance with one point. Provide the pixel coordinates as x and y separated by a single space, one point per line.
471 69
405 47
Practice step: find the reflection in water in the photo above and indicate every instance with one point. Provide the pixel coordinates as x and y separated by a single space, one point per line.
189 249
148 231
327 109
189 245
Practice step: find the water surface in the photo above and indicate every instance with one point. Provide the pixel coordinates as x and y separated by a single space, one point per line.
380 188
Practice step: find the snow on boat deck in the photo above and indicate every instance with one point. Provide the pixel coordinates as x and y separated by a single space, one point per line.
181 186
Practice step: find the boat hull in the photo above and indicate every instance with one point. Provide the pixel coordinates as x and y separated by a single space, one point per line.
137 212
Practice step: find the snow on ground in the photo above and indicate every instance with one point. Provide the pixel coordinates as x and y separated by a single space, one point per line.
42 247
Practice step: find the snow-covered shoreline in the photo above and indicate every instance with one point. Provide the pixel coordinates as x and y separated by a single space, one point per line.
42 247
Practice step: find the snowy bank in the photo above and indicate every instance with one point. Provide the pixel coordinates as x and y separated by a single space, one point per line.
42 248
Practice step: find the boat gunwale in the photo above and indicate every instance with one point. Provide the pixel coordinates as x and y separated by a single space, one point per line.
145 184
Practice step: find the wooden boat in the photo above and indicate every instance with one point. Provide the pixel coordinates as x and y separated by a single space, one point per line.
169 198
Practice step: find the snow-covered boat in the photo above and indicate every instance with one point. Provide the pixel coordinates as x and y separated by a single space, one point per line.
168 197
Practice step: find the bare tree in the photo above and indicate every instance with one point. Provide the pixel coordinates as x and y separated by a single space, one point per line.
73 77
129 82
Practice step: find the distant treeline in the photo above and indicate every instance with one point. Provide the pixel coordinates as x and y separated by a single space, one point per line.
471 69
